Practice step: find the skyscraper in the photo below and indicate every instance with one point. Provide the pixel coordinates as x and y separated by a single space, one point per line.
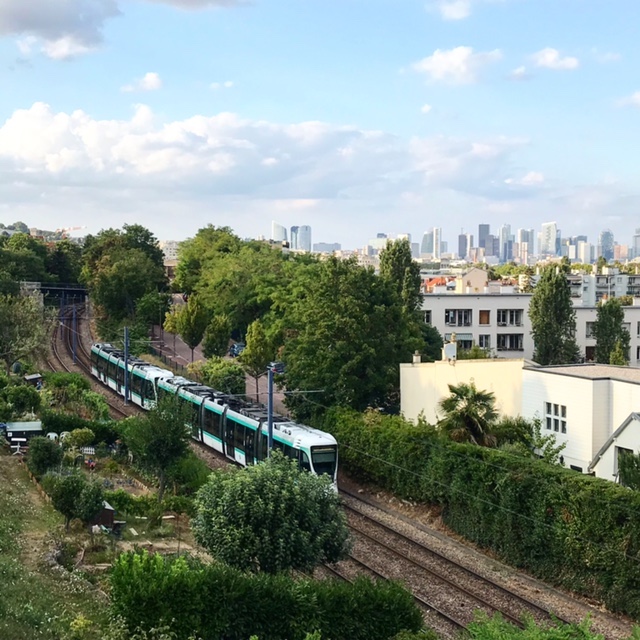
278 232
635 245
437 242
304 238
426 247
465 243
506 243
293 242
605 244
483 231
548 239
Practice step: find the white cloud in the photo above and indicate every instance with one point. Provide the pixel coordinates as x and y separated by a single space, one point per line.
62 29
454 9
426 108
520 73
531 179
551 59
221 85
456 66
632 101
605 57
151 81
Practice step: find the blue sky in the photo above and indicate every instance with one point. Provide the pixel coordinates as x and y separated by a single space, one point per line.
352 116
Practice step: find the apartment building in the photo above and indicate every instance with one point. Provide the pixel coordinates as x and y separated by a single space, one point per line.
499 322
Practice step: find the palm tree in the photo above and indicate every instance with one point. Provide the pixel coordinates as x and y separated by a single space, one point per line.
469 415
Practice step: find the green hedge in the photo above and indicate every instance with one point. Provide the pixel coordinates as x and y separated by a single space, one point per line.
567 528
213 601
58 421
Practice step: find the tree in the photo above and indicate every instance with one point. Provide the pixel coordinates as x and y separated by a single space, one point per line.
222 375
398 267
257 354
619 355
271 517
469 415
216 337
553 320
524 437
629 470
475 353
431 348
192 322
171 323
74 497
43 454
609 330
159 439
153 307
23 329
80 438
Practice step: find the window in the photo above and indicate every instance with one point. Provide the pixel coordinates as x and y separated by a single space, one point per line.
574 468
458 317
638 353
465 344
427 317
510 342
510 317
212 422
485 318
590 326
555 417
484 341
638 329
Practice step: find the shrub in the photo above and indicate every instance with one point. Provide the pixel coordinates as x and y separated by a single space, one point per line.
574 530
150 591
44 454
23 398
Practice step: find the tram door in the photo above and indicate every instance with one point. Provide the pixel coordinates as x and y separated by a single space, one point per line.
229 439
249 445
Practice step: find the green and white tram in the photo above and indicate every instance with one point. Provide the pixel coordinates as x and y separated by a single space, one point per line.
237 429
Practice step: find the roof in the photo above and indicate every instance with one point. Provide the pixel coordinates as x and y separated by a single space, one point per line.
24 426
591 371
634 417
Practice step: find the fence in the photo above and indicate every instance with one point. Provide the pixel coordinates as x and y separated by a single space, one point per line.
176 367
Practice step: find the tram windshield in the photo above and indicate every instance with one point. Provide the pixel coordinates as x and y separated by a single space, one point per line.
324 460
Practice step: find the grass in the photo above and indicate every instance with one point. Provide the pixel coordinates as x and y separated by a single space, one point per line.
36 600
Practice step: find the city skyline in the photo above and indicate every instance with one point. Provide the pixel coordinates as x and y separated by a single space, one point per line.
177 114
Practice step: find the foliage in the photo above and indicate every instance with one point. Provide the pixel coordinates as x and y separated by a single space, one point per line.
432 343
57 422
74 496
553 320
151 591
44 454
192 322
71 392
403 272
23 329
23 398
524 437
619 356
337 338
272 517
80 438
469 415
257 354
223 375
159 439
571 529
189 474
475 353
216 337
152 307
629 470
609 331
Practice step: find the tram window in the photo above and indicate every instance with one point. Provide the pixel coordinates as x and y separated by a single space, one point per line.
212 422
111 370
288 451
239 436
148 390
263 447
94 358
120 376
278 445
304 461
136 385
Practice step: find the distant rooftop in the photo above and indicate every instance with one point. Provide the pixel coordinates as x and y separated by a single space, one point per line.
594 372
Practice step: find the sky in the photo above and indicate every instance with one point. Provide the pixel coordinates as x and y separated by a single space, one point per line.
352 116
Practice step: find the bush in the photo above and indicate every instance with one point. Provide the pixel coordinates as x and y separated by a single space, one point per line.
150 591
23 398
44 454
58 421
570 529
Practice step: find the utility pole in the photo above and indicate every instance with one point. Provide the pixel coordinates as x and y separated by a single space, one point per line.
126 365
272 367
74 335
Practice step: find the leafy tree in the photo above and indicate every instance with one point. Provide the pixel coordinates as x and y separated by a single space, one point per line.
223 375
43 454
475 353
469 415
432 343
159 439
601 263
23 398
171 323
192 322
553 320
23 329
152 307
80 438
398 267
524 437
64 262
619 356
629 470
216 337
257 354
272 517
74 497
609 331
344 331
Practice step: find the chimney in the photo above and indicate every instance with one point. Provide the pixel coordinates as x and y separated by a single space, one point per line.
416 357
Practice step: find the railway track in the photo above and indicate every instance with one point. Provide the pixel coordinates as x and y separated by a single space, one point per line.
447 586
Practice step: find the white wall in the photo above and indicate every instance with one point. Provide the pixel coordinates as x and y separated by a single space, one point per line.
607 466
423 385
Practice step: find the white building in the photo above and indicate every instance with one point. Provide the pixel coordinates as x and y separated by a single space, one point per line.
169 249
278 232
548 236
591 408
